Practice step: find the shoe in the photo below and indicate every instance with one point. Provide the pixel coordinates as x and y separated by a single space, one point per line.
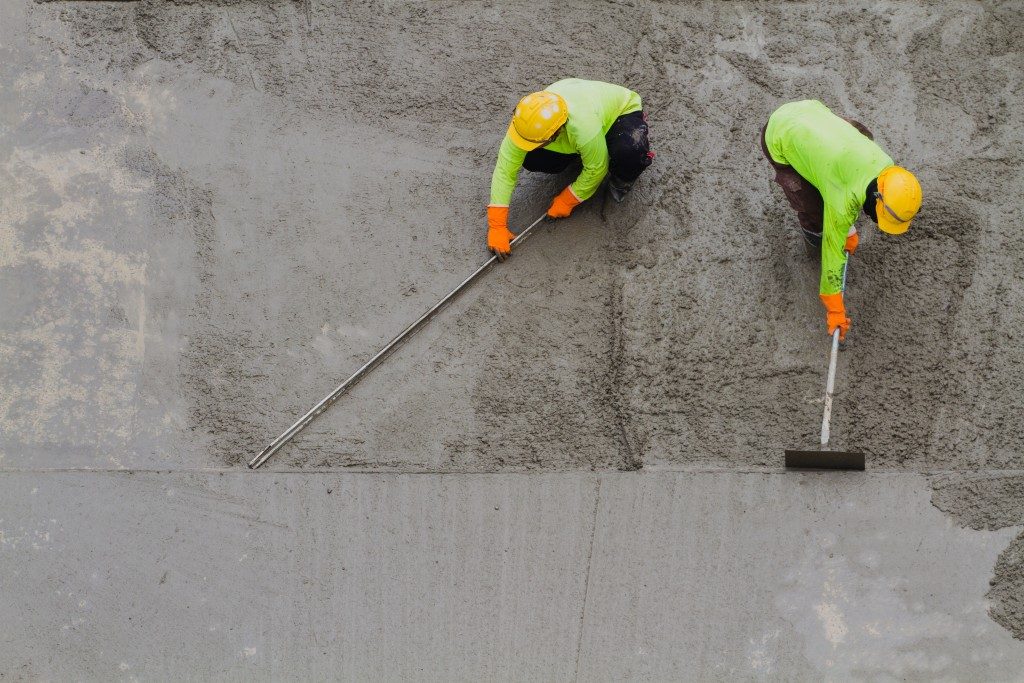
619 189
813 250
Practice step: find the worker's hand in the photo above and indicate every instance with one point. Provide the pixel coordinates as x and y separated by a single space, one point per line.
835 315
834 320
852 241
563 204
499 237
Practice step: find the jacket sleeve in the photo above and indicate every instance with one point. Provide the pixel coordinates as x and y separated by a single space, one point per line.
503 180
833 258
594 155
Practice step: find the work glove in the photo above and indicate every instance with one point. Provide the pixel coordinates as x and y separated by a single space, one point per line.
563 204
499 237
835 315
852 240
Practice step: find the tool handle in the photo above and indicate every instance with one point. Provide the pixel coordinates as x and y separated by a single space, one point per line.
830 386
830 383
326 402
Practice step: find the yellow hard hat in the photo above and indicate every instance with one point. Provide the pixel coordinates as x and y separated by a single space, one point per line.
897 200
536 119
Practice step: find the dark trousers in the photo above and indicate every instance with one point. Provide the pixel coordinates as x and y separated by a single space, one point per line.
629 151
804 197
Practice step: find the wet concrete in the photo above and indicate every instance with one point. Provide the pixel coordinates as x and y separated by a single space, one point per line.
215 211
686 325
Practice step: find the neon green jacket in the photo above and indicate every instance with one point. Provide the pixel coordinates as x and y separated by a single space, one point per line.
834 157
593 108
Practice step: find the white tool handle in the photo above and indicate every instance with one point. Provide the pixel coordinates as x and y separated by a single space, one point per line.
830 386
830 383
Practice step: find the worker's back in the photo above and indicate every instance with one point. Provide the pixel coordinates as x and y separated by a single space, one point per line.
826 150
593 108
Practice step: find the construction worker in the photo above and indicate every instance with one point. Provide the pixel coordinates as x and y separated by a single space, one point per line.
830 169
600 124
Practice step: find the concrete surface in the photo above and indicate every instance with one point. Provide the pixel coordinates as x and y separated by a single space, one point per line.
654 576
210 222
211 211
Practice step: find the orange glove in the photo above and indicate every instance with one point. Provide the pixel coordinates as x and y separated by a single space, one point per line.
563 204
836 314
499 237
851 242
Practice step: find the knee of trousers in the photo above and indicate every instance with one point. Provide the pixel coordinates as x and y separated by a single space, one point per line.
544 161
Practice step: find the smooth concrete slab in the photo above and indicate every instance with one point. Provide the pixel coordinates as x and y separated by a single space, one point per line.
789 577
355 577
647 576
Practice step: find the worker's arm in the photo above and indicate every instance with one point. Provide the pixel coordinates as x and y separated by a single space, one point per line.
503 182
594 156
833 260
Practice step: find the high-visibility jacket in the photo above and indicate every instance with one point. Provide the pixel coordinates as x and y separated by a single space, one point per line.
837 159
593 107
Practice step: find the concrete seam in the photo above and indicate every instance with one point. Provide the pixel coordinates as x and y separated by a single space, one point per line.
586 580
628 459
245 55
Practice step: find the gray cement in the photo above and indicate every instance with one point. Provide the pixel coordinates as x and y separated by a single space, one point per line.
275 190
213 211
650 576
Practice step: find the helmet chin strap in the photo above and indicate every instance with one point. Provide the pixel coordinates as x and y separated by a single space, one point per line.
896 217
545 141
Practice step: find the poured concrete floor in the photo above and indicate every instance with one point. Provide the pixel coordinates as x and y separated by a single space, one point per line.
654 575
211 212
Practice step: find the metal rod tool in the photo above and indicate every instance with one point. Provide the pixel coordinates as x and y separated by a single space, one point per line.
323 405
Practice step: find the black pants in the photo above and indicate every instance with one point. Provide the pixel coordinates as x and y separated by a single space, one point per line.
629 151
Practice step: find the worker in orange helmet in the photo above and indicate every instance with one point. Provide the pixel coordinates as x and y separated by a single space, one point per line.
601 124
831 170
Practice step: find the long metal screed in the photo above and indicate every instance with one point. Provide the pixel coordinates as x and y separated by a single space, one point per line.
323 405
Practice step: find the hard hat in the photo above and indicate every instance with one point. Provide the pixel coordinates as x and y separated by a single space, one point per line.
897 200
536 119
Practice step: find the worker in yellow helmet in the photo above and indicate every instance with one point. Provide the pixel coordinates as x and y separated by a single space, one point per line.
831 169
600 124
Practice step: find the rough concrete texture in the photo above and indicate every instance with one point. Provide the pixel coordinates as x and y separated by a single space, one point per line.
289 183
213 211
